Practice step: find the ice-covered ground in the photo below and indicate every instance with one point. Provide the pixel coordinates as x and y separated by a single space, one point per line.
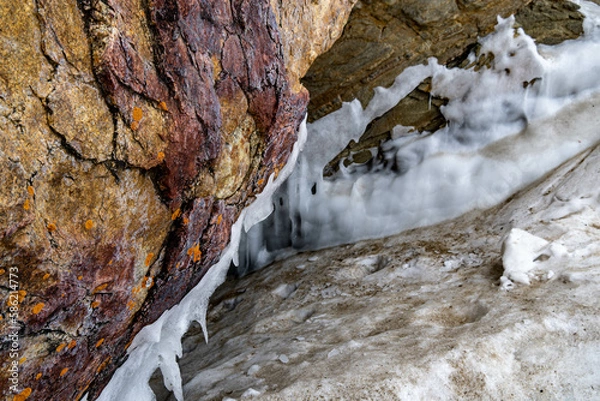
431 313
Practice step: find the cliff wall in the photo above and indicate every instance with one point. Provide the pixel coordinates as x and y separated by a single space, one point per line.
133 133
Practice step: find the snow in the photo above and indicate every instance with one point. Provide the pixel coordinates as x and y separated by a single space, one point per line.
501 137
522 253
426 314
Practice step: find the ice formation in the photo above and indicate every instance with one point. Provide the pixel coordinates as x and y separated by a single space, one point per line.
508 125
500 138
422 315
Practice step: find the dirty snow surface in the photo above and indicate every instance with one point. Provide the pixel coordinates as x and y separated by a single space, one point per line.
501 304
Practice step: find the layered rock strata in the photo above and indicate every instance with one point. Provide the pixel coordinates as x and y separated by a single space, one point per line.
132 135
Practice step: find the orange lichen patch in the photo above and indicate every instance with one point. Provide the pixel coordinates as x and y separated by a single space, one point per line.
64 372
176 214
38 308
30 190
26 205
46 276
38 376
260 182
135 290
95 304
130 305
137 114
149 258
110 262
101 287
186 221
89 224
134 126
128 344
148 282
99 343
22 360
195 252
220 219
163 106
160 156
178 265
103 365
72 344
61 347
51 227
23 395
79 278
1 317
2 271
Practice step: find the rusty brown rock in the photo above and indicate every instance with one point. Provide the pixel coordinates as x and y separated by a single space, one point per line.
132 135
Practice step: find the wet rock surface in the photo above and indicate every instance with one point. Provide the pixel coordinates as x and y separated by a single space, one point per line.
132 135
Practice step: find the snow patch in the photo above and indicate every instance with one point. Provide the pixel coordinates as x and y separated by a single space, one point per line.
525 256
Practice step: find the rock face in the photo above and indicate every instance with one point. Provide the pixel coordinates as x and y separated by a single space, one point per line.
132 135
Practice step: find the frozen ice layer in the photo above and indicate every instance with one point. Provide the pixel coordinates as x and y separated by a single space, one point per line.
508 125
526 256
423 315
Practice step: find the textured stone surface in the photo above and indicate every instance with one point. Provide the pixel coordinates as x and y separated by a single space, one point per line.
551 22
131 136
303 20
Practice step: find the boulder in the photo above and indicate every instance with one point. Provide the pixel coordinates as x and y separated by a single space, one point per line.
132 135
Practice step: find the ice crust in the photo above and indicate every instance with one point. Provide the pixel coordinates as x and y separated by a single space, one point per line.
500 138
508 125
526 254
